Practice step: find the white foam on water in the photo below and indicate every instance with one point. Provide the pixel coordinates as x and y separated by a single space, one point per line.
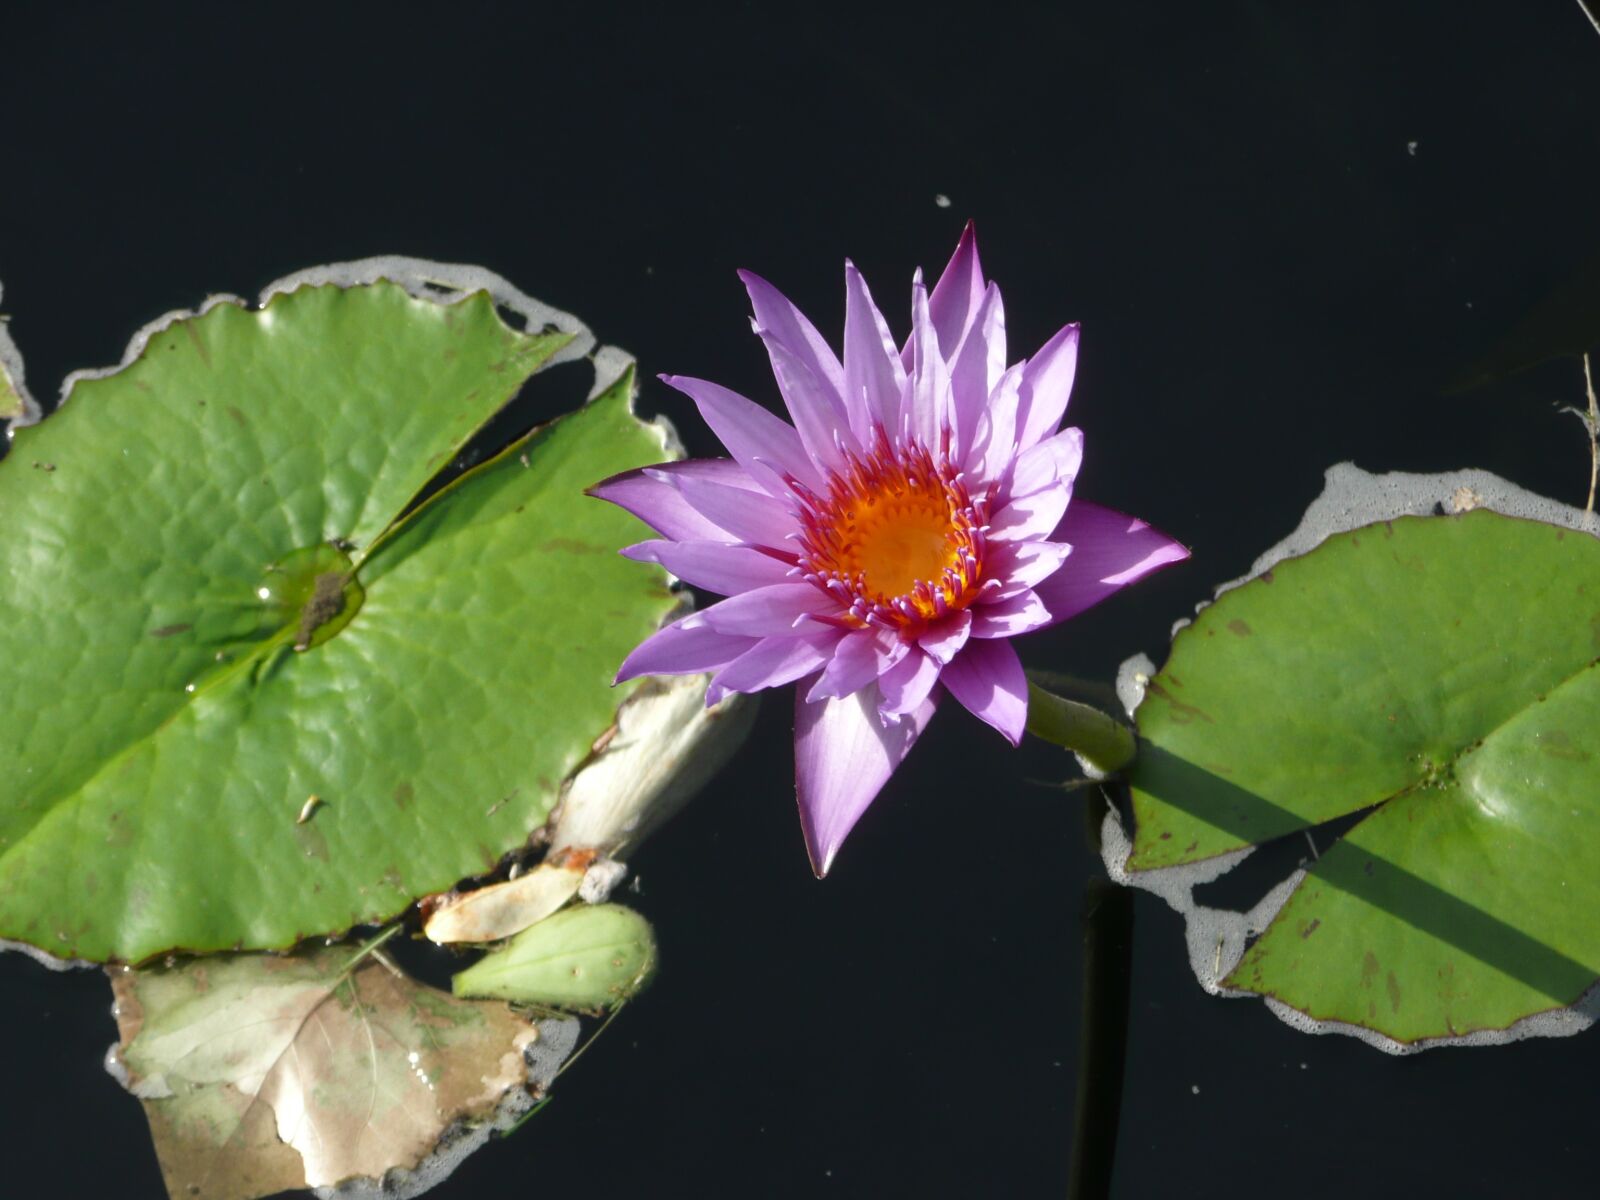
11 370
1216 938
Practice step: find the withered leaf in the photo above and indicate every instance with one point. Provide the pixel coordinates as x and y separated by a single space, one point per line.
260 1073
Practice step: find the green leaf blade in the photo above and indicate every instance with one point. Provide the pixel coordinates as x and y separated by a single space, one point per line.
1440 672
165 738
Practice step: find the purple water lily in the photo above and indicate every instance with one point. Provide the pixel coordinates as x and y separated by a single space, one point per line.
883 548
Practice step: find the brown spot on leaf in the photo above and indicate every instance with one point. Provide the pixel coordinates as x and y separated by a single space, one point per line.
240 418
171 630
1369 969
199 346
403 795
1393 987
1310 927
1182 714
1556 743
562 545
1239 628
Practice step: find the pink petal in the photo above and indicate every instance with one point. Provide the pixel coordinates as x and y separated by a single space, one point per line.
987 679
873 374
1026 518
858 659
1046 386
715 566
907 684
1109 551
773 662
761 442
930 376
818 413
767 611
1019 565
651 495
994 449
1040 465
844 754
1020 613
975 368
753 517
944 639
680 649
783 322
958 296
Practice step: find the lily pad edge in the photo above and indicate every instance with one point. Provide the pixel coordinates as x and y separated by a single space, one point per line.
1216 938
440 283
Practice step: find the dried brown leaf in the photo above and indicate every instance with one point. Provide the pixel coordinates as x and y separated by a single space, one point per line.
260 1073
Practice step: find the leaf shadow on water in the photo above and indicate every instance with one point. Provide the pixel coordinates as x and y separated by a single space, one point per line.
1369 877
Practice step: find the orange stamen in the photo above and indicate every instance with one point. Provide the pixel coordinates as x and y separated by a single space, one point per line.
897 537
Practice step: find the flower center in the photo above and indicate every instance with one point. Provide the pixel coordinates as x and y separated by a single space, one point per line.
897 538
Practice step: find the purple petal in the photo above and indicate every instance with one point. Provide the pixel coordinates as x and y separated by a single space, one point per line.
767 611
944 639
747 516
651 495
907 684
930 375
1057 457
975 368
773 662
681 649
1109 551
780 319
715 566
958 296
858 659
987 679
818 414
873 374
994 449
1046 386
1020 565
1021 613
760 441
844 754
1033 516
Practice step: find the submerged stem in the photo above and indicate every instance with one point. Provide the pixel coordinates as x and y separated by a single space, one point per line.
1103 1041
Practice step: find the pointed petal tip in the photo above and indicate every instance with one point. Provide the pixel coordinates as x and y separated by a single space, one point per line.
821 862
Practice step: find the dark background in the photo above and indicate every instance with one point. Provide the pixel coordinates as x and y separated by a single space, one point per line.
1281 227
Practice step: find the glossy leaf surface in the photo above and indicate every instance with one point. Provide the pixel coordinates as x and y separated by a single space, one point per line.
1439 675
214 612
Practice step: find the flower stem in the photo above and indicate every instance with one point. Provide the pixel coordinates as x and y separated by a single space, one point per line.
1099 739
1103 1042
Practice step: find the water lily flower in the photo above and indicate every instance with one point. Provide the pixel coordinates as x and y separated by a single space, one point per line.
884 548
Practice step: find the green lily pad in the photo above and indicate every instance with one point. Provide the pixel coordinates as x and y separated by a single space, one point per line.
217 607
1437 677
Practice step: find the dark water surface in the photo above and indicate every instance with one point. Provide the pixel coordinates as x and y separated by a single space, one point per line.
1281 227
